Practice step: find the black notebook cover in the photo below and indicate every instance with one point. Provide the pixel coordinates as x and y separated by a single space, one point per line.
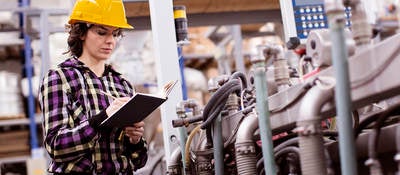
137 108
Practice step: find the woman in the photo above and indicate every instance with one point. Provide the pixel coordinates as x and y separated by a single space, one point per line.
73 105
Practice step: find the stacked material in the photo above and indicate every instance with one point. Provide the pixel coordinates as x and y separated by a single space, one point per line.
10 96
14 143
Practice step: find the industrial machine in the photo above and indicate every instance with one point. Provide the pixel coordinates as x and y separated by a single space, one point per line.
346 97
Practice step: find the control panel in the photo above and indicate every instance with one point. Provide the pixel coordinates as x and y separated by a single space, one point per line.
301 16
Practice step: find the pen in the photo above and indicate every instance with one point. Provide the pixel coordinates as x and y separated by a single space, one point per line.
108 94
121 135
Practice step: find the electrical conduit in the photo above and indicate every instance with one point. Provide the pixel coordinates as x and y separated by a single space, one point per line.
245 149
309 128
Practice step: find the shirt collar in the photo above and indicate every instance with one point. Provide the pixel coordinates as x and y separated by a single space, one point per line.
74 62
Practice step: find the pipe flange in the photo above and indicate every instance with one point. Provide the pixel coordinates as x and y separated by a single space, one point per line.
310 129
246 149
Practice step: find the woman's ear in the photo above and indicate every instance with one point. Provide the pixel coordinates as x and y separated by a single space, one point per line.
82 37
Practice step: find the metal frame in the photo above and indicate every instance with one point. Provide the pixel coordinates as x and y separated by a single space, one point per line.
223 18
167 66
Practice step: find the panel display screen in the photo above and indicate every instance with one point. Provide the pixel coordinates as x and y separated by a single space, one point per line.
310 15
308 2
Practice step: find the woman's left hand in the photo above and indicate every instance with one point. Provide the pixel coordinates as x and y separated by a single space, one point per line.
135 132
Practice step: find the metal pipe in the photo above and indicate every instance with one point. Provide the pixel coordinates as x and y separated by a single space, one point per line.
309 127
281 68
29 74
218 146
263 111
336 19
360 27
238 48
181 113
245 149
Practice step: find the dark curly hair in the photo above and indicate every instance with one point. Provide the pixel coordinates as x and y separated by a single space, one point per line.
75 43
76 32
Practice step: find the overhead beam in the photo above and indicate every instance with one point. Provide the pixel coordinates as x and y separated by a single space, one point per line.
211 19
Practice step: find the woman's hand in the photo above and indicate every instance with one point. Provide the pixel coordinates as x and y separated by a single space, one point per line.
135 132
115 105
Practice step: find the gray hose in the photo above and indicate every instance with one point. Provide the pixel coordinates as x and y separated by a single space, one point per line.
309 128
242 77
245 149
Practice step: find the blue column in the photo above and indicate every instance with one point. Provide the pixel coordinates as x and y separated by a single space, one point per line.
181 68
29 75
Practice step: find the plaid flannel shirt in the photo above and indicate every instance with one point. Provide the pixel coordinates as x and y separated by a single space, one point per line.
69 96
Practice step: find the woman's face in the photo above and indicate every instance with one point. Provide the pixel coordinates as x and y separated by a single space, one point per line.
100 41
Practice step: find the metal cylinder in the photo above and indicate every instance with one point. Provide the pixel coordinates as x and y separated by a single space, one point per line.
319 46
311 149
246 158
245 150
181 24
362 32
309 127
281 72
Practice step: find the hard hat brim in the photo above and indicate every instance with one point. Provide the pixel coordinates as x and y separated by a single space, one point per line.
126 26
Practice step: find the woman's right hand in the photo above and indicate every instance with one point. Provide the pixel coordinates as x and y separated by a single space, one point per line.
115 105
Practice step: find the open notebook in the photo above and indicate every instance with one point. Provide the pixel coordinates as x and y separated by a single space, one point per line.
139 106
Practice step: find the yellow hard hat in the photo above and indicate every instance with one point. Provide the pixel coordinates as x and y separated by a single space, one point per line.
103 12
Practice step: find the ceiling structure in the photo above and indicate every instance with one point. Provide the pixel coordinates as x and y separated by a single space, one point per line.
206 17
211 12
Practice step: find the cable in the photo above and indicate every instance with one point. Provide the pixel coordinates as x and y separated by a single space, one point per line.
241 76
188 143
373 143
367 121
215 98
286 150
217 102
290 142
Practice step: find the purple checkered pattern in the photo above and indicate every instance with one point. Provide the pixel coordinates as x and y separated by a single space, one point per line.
69 96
